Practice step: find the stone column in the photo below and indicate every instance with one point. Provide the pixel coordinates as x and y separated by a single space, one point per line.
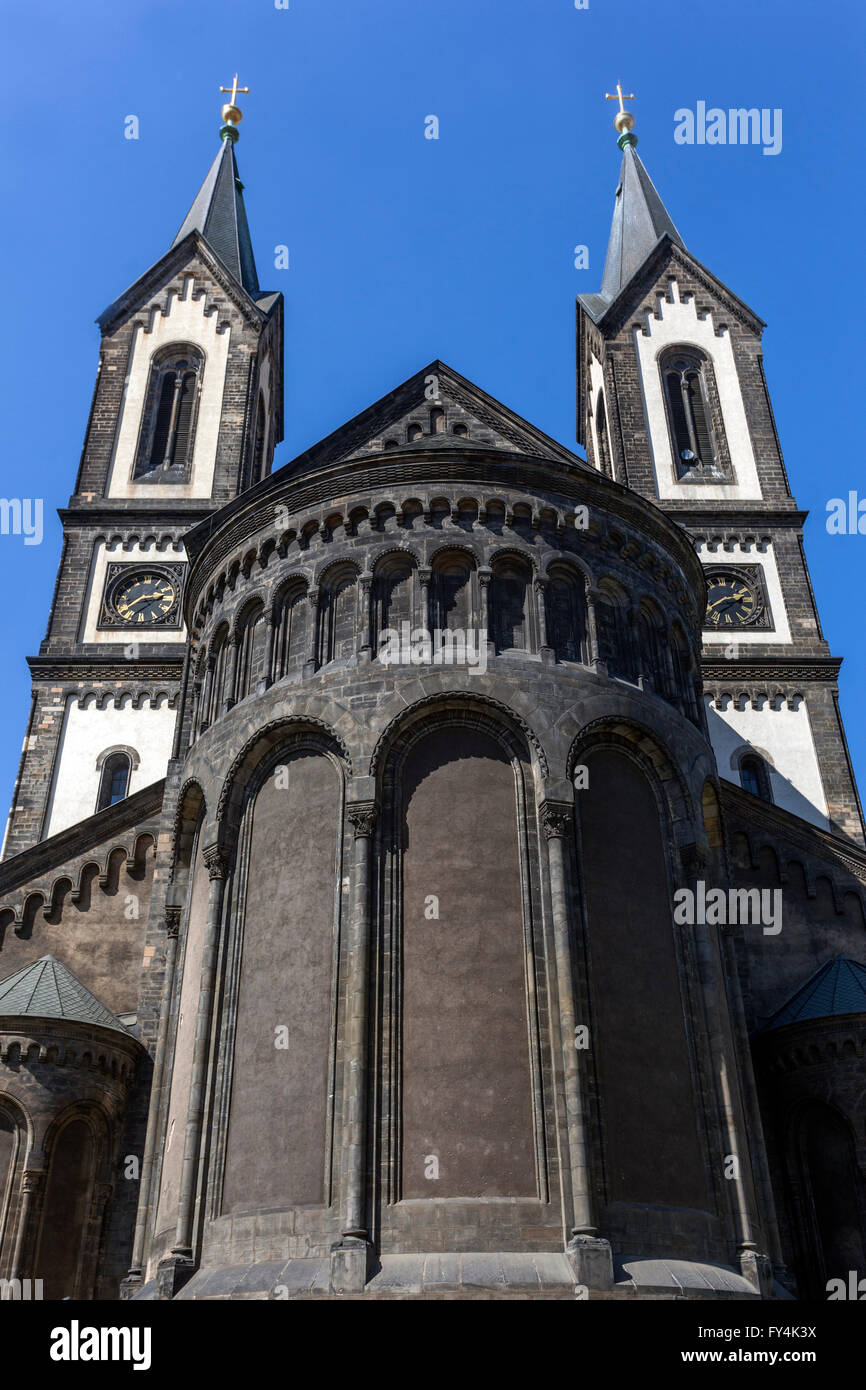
313 634
179 1265
365 650
593 648
349 1256
32 1186
231 673
755 1134
425 576
590 1256
136 1269
485 577
539 586
207 696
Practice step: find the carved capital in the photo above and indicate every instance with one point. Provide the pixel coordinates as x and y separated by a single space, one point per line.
485 574
557 819
425 574
32 1179
362 818
215 862
172 921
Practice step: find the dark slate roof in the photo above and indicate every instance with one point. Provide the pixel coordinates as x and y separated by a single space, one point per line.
218 213
640 220
838 987
47 989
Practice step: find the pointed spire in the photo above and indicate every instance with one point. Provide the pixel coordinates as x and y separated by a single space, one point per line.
218 213
640 218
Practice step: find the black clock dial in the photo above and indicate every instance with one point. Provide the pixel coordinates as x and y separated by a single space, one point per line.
731 602
144 598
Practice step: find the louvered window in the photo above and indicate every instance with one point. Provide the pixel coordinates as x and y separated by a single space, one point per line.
167 436
685 383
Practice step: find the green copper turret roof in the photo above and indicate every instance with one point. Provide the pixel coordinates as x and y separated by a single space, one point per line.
48 989
218 214
838 987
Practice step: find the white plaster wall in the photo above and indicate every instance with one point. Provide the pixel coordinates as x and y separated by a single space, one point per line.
784 737
87 733
596 384
745 554
679 322
190 319
106 553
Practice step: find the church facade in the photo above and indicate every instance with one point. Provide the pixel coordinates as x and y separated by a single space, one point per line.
435 868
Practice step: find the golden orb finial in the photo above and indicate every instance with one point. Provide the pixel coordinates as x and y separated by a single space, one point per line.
623 121
231 113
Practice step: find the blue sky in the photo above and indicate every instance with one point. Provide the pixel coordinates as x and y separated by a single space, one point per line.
403 249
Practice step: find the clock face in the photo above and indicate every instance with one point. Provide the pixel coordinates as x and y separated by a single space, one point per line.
731 601
144 597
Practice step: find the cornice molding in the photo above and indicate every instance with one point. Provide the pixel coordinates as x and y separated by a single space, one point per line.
811 839
777 670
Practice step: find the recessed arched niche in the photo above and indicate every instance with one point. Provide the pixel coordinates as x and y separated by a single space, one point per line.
282 992
466 1123
641 1049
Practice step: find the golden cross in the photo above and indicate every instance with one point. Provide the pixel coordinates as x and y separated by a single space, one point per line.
234 89
619 96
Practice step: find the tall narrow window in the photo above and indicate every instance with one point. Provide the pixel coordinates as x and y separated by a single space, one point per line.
167 437
259 451
291 641
685 381
754 776
249 651
511 588
114 781
601 436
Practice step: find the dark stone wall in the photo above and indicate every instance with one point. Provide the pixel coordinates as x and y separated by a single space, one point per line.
466 1082
275 1150
641 1048
97 936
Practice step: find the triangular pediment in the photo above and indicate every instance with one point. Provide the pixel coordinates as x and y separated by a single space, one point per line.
406 419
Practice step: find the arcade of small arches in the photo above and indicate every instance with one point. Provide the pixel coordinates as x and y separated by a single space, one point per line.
555 613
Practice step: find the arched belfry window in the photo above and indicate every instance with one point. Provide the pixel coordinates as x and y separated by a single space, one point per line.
685 378
114 779
167 435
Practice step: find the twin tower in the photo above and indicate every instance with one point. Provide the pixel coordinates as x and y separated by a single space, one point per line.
328 975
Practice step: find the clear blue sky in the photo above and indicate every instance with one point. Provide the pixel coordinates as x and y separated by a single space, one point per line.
404 249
